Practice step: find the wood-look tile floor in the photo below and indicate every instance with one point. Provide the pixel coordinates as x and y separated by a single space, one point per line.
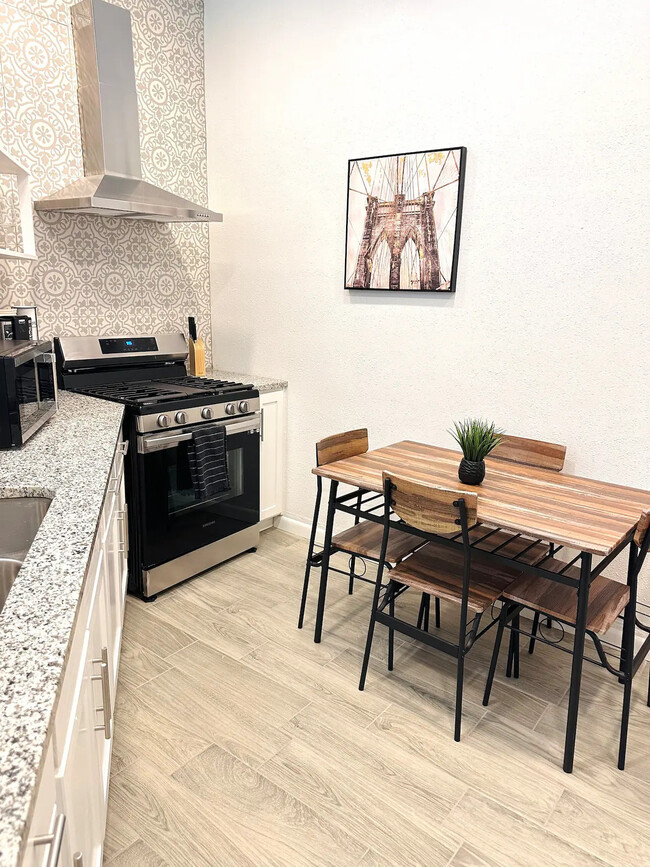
238 741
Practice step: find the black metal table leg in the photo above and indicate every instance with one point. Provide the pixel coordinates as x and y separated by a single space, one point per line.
627 653
310 551
327 544
576 668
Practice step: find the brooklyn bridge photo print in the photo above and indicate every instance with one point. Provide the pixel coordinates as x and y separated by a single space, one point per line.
403 222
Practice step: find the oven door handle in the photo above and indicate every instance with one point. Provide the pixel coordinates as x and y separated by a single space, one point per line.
156 442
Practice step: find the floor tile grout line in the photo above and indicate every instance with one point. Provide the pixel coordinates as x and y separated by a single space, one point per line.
546 709
460 846
180 649
360 861
555 806
119 851
388 706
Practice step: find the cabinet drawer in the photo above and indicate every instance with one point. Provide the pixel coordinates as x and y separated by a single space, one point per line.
47 826
65 708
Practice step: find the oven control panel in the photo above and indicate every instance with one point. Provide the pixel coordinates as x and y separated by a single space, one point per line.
122 345
195 414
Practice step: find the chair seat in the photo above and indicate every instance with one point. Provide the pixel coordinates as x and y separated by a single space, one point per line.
365 538
607 598
509 544
438 570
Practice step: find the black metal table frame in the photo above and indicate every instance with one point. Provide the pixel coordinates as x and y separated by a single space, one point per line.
587 574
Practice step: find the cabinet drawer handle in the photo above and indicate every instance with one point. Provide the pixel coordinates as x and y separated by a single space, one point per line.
123 447
77 860
262 424
106 694
53 840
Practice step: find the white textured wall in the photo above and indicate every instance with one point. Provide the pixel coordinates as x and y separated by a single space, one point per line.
548 332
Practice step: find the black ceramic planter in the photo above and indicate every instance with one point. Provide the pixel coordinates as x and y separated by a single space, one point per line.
471 472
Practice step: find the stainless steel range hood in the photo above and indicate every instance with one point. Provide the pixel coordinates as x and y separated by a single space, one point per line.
110 134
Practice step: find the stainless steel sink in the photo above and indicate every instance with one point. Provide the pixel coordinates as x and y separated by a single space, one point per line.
20 518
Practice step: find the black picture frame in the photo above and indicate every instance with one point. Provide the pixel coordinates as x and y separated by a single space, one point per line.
417 225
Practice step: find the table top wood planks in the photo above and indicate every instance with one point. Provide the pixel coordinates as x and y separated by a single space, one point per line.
580 513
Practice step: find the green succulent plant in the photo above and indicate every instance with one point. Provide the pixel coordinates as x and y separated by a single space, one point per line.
476 437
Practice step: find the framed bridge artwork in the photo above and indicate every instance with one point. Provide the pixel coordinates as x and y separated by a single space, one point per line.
403 221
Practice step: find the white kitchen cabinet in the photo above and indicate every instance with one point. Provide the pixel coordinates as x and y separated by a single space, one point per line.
78 778
272 455
47 827
114 545
74 781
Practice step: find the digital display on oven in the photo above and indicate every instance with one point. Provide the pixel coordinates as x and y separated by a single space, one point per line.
112 345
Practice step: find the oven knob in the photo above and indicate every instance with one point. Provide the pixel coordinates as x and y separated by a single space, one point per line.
206 412
163 421
243 406
181 417
231 408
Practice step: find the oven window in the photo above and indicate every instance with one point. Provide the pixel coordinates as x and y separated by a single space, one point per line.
181 494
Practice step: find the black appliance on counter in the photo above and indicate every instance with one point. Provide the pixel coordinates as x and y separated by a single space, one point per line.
27 389
15 327
175 531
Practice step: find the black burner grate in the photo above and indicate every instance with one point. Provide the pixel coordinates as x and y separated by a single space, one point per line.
160 390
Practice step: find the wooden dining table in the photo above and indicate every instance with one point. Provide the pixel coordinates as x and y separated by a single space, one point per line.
593 518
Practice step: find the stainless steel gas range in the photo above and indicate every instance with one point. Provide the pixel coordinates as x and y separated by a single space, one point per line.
176 529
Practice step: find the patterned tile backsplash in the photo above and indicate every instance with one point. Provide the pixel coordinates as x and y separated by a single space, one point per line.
96 274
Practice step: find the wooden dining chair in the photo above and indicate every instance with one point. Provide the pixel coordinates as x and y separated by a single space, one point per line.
454 571
530 453
362 540
608 599
544 456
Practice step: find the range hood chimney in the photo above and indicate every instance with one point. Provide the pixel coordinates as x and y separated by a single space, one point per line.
110 134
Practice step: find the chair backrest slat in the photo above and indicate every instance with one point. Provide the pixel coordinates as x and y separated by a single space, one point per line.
642 529
532 453
340 446
429 508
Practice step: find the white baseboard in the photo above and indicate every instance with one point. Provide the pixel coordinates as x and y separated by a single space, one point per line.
298 528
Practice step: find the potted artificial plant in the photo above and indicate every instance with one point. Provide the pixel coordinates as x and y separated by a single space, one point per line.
476 439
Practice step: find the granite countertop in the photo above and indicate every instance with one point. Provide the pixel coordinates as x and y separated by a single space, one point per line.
262 383
69 459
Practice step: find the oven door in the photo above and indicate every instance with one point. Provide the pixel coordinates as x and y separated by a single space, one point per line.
174 518
35 385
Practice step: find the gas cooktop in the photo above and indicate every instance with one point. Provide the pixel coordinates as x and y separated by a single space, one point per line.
143 393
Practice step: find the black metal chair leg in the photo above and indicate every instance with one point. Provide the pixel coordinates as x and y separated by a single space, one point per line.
391 631
437 612
515 632
421 615
427 608
310 552
353 559
495 653
460 673
366 655
327 544
511 654
531 643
